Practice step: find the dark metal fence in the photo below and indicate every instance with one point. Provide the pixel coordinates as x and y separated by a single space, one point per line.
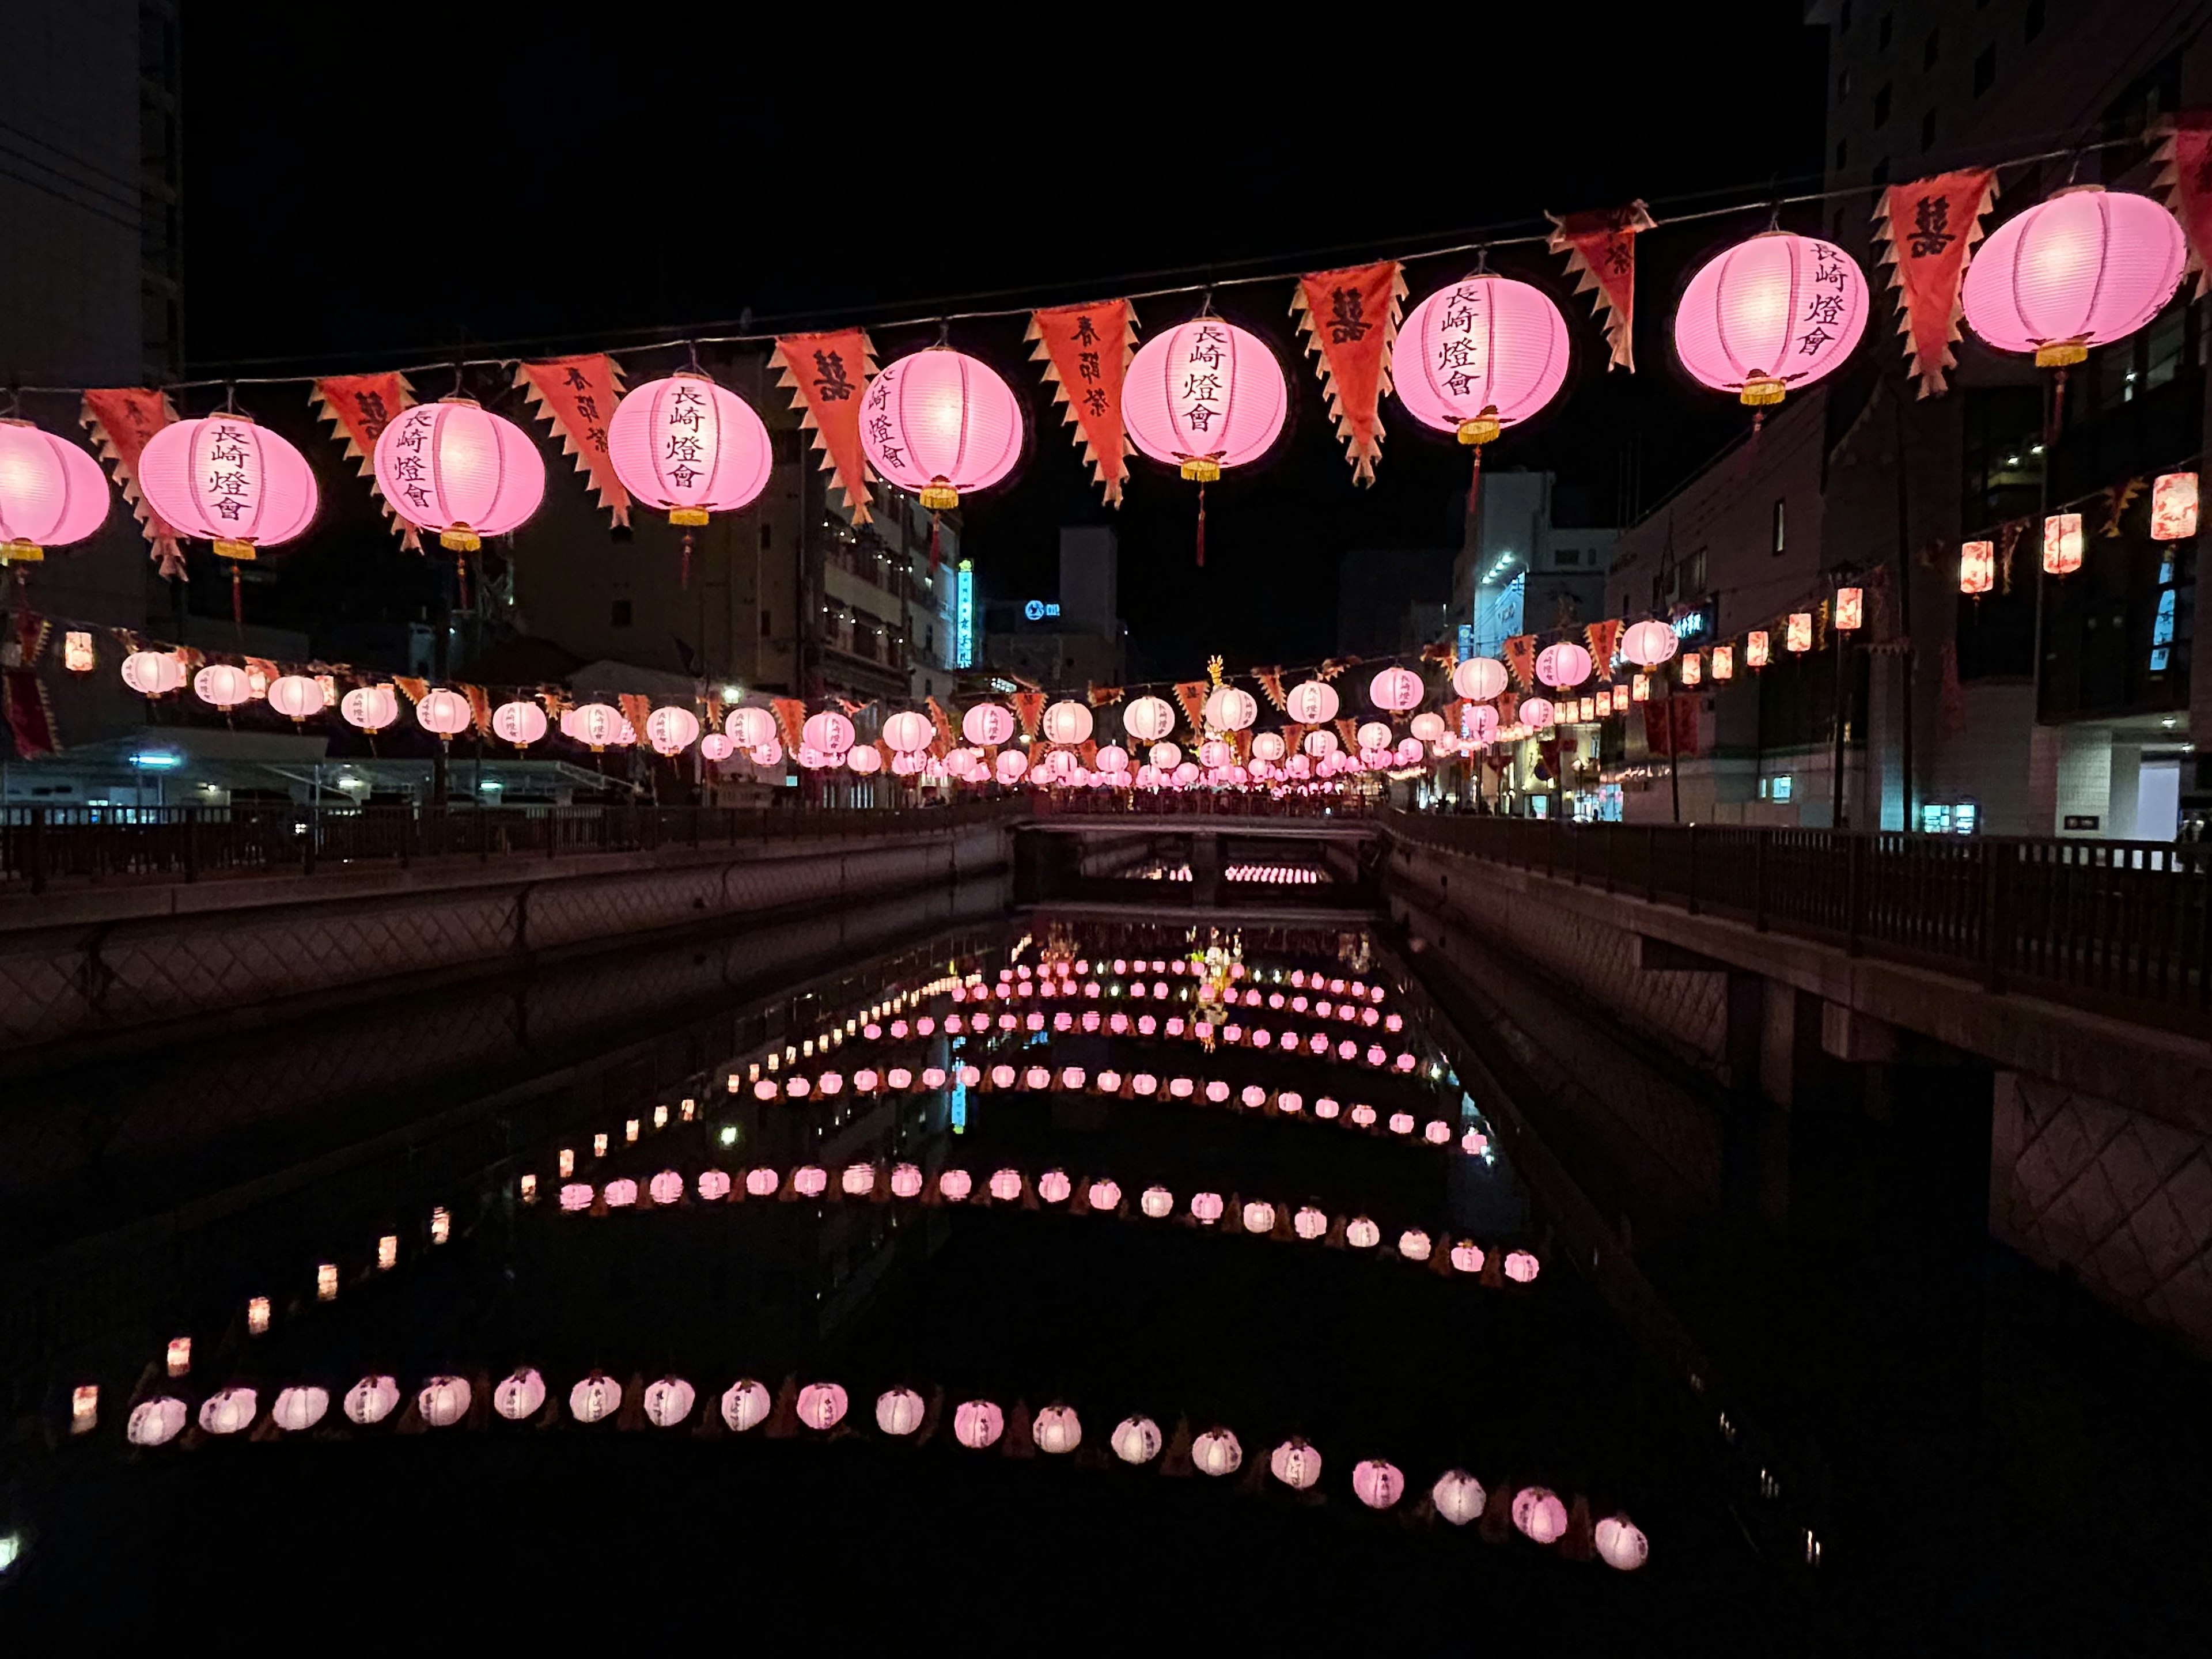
2123 925
1144 805
43 844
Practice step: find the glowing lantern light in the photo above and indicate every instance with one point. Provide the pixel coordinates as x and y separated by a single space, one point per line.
1377 1484
977 1424
1104 1195
1562 666
2061 545
597 726
955 1185
1205 395
822 1406
1521 1267
443 1401
156 1422
520 1396
152 673
1363 1234
810 1181
456 468
746 1404
2173 507
1778 311
864 759
1537 712
225 479
829 732
1850 609
51 493
2086 268
899 1411
939 421
1135 1440
1217 1452
1228 708
1620 1543
1397 690
1113 760
1478 679
1723 662
1006 1185
1690 669
300 1408
295 696
1428 726
1296 1464
518 723
671 731
1057 1429
1799 636
1539 1515
713 1185
1148 719
222 685
1314 702
668 1402
1259 1217
908 732
372 1400
1413 1245
1755 651
1165 756
1157 1202
1467 1256
988 725
1648 644
1067 723
750 728
1458 1496
443 713
689 447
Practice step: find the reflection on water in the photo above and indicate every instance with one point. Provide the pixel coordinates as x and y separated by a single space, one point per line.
994 1174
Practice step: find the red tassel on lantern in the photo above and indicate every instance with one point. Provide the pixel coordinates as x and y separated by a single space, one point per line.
1201 526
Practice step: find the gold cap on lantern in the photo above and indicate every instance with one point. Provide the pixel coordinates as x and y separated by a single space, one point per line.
1483 429
1761 390
940 497
2061 354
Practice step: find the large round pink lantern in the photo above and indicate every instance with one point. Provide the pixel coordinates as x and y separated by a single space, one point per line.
1778 311
1148 719
296 696
1397 690
939 421
988 725
716 747
690 447
863 759
670 730
153 674
222 685
750 728
519 723
1478 679
1313 703
597 725
828 733
443 713
369 707
1648 644
455 467
1562 666
909 732
1204 395
2086 268
1229 708
226 479
51 493
1069 722
1011 765
1480 356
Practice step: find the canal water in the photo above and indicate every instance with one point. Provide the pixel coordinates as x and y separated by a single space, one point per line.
691 1282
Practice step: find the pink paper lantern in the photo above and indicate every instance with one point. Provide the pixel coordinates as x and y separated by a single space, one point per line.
1458 1496
750 728
863 759
1377 1484
1482 355
153 674
1620 1543
1067 723
1204 395
1562 666
761 1182
443 713
1296 1464
1648 644
1320 744
51 492
689 447
1778 311
828 733
1231 708
459 470
939 421
747 1405
1536 712
977 1424
296 696
2086 268
1539 1515
229 481
597 725
909 732
670 730
1113 760
222 685
1478 679
1148 719
369 707
519 723
822 1406
988 725
1397 690
1011 766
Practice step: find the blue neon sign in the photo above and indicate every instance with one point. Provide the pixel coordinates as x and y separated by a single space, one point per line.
964 616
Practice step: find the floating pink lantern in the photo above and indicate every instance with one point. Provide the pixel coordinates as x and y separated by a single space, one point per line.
222 685
1295 1463
1157 1202
156 1422
906 1179
1480 356
1217 1452
300 1408
1414 1245
1320 744
1539 1515
443 1401
909 732
1103 1195
295 696
670 730
689 448
1148 719
1521 1267
597 725
1373 734
1067 723
899 1411
229 481
1113 760
1428 726
1563 666
1397 690
747 1405
1377 1484
1536 712
1205 396
1620 1543
1478 679
520 723
51 493
822 1406
977 1424
828 733
1231 708
1778 311
372 1400
1648 644
713 1185
444 714
153 674
1057 1431
2086 268
1313 703
939 421
864 759
1458 1496
668 1402
454 467
750 728
988 725
1011 765
2173 507
955 1185
1136 1440
520 1395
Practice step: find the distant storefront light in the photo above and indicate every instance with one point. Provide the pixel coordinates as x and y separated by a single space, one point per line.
1038 610
964 616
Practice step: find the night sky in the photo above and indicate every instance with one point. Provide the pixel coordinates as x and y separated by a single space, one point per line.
570 189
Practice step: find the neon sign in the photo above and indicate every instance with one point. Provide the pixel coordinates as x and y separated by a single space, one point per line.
964 616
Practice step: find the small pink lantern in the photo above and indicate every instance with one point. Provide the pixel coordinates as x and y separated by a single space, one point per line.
955 1185
909 732
690 447
1377 1484
295 696
222 685
1313 703
1478 679
668 1402
443 1401
369 707
1231 708
226 480
667 1187
2083 269
750 728
864 759
713 1185
939 421
1136 1440
1103 1195
1778 311
2061 544
597 725
1057 1431
1363 1234
822 1406
1157 1202
1539 1515
443 713
1295 1463
670 730
1563 666
1396 689
1458 1496
519 723
1067 723
828 733
905 1182
977 1424
899 1411
1521 1267
372 1400
51 493
1620 1543
747 1405
456 468
988 725
810 1180
153 674
1217 1452
1648 644
156 1422
1148 719
520 1395
1414 1245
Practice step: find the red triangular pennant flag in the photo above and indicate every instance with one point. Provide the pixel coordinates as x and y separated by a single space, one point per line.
2183 181
578 395
121 420
1351 321
826 373
361 406
1927 230
1086 350
1600 248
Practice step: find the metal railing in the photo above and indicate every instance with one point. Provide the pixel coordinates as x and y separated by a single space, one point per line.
2123 925
41 845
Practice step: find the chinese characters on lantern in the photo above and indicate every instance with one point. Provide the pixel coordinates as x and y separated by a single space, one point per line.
1978 567
1204 390
1461 340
